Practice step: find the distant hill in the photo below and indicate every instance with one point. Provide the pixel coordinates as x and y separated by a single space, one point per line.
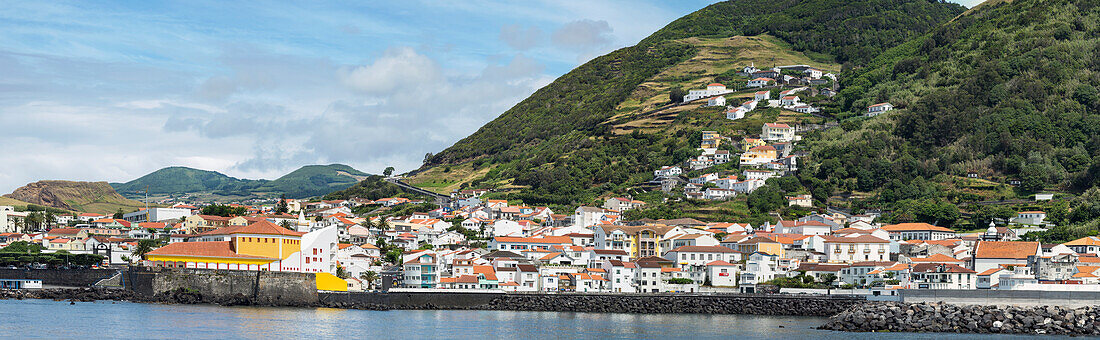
95 197
314 180
180 180
310 180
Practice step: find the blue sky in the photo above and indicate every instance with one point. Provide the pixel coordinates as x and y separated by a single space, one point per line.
113 90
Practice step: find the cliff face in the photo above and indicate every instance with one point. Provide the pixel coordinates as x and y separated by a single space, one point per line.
96 197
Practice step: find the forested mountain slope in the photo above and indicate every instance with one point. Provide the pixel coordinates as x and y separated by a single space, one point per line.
558 147
1006 92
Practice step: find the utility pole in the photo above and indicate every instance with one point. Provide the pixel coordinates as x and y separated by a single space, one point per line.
147 212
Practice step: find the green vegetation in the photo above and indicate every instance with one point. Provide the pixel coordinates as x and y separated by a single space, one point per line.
307 181
373 187
1007 91
850 32
574 141
680 281
223 210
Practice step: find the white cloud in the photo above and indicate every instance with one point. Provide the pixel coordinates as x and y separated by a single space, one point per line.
400 69
584 35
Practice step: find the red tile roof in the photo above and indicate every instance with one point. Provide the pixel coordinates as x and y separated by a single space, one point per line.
202 249
1005 250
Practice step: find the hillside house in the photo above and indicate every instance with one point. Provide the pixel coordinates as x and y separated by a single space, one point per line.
777 132
716 101
668 171
789 101
735 113
714 89
804 109
762 95
877 109
621 204
760 82
1030 217
758 155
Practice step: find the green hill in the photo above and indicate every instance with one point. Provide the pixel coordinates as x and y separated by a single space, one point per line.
180 180
314 180
310 180
586 134
1006 92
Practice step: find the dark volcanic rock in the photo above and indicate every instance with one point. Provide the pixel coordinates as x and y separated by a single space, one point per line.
926 317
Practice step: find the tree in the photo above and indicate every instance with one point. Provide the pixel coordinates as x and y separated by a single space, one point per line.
676 95
389 171
427 157
369 277
282 206
118 214
828 279
143 247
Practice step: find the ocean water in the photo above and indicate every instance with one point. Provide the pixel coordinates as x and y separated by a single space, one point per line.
23 319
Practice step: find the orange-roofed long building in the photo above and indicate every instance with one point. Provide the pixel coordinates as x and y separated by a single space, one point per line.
258 246
918 231
994 254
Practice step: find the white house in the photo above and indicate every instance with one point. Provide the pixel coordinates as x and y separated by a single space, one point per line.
506 228
853 248
622 204
762 95
714 89
750 104
777 132
735 113
719 194
788 101
877 109
1030 217
668 171
804 108
722 273
716 101
760 82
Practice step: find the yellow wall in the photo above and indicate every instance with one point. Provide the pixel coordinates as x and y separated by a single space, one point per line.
177 258
326 281
265 246
290 247
771 248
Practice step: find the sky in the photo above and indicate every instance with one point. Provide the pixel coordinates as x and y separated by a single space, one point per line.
110 91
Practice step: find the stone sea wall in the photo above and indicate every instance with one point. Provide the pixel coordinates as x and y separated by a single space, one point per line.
599 303
59 277
233 287
939 317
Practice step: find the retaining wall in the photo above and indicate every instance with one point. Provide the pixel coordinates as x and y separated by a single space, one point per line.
1067 299
59 277
600 303
215 285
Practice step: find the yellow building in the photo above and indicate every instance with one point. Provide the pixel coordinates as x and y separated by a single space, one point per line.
637 241
758 155
749 143
258 246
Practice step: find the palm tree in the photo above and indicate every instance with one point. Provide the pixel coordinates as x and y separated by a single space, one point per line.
369 276
143 247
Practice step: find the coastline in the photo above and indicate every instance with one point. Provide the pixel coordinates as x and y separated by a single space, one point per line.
856 315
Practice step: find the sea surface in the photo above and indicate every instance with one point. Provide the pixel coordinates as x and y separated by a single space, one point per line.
22 319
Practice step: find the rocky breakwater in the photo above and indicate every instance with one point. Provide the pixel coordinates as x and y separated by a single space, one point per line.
938 317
